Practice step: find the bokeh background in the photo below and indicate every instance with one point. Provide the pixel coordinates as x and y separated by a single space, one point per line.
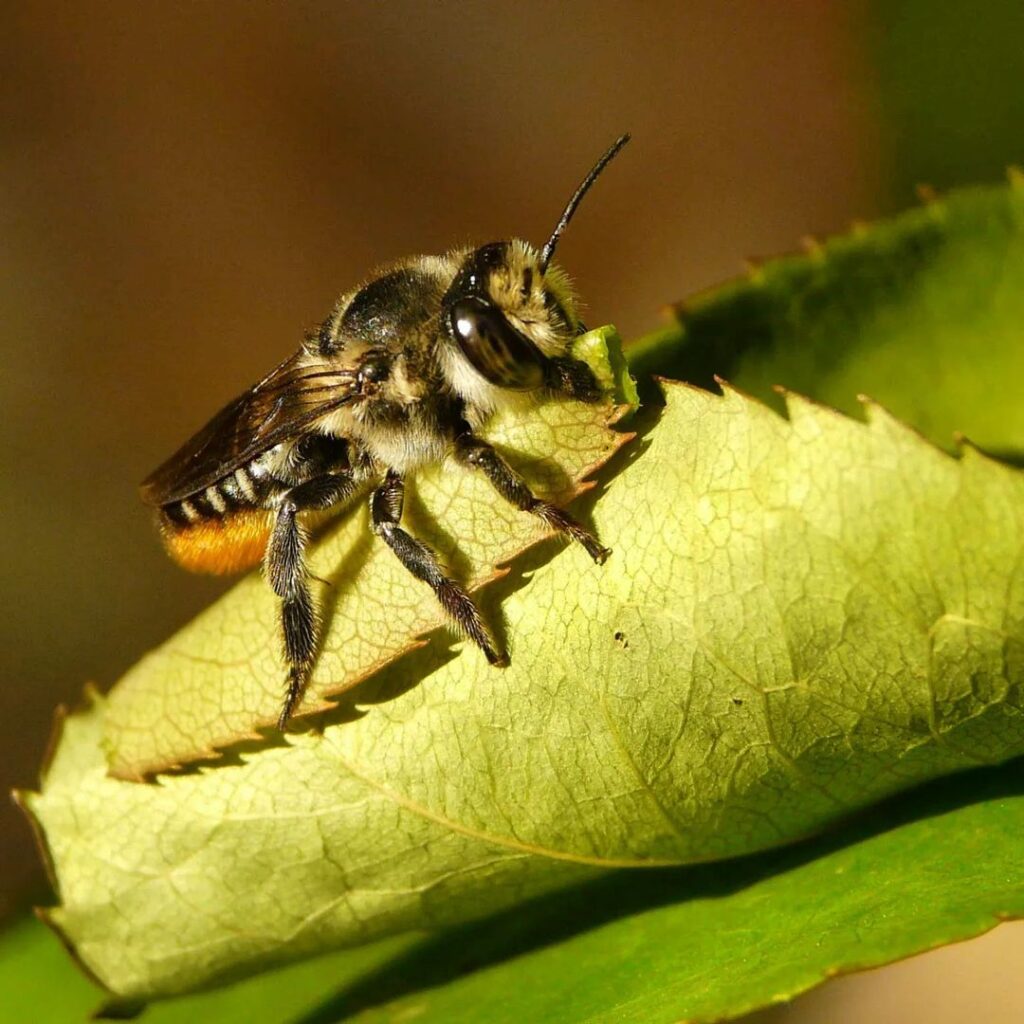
184 188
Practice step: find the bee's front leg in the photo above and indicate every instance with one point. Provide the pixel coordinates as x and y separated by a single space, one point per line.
286 571
386 514
480 455
572 377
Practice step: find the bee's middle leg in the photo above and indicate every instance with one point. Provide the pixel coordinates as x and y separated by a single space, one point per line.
386 514
285 568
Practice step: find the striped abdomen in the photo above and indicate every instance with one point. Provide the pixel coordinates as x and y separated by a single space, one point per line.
224 528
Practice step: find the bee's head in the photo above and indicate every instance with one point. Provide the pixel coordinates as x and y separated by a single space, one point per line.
509 309
506 315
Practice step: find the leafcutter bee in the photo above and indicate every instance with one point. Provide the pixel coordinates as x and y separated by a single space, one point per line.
402 373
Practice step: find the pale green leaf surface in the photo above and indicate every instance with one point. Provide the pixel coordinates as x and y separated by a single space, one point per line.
924 313
800 617
221 678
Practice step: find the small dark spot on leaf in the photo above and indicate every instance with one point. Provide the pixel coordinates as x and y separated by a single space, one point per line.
738 701
620 639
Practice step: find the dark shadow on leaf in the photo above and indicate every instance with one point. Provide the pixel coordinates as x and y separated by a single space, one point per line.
1008 456
435 533
342 576
391 681
456 952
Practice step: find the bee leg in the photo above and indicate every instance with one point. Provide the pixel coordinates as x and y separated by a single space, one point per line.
480 455
286 571
386 514
574 378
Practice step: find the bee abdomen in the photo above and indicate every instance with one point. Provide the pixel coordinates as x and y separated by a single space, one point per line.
237 491
221 529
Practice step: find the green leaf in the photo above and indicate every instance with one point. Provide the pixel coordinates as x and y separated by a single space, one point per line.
220 679
39 982
800 617
929 121
924 313
940 864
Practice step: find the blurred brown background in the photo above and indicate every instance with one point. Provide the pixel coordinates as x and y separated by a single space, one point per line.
184 188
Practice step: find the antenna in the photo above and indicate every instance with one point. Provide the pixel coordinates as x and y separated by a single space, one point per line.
570 208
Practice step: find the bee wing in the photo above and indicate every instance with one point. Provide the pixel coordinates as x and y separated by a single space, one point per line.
290 398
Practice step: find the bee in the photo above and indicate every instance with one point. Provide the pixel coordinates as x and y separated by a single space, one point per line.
403 373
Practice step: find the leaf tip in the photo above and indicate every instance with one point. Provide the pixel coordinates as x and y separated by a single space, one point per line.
967 450
23 798
869 407
874 413
92 695
728 391
793 402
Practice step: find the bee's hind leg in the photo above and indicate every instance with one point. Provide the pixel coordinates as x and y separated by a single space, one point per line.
286 571
480 455
386 514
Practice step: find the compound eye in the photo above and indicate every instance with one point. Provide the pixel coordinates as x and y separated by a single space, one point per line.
498 352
